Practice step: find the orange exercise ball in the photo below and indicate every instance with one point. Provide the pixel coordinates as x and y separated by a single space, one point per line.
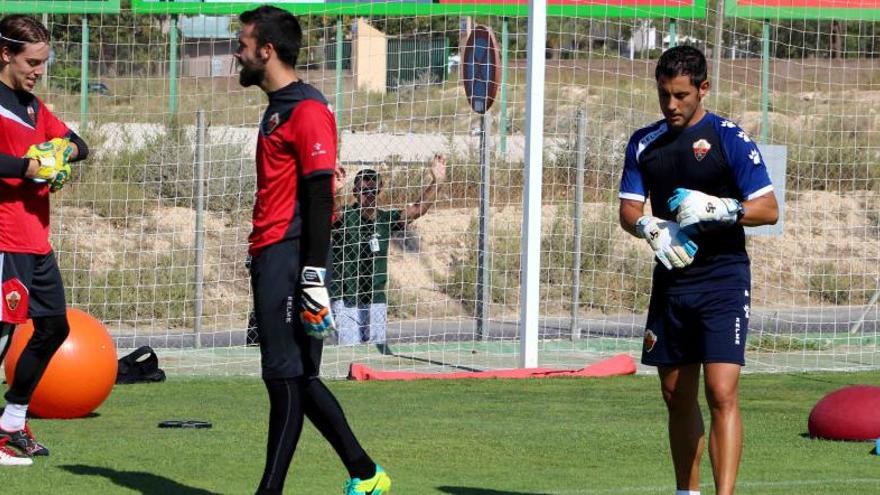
80 375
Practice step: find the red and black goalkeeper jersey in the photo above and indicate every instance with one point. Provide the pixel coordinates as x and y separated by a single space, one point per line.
24 204
297 140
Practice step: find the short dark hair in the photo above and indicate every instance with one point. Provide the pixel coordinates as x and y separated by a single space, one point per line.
682 60
368 175
16 30
276 26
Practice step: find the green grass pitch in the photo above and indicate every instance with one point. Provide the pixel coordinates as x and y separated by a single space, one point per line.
498 437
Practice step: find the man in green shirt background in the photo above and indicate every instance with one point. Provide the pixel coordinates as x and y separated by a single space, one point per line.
361 235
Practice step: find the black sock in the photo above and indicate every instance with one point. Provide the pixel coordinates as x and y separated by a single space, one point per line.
326 414
49 333
285 426
5 338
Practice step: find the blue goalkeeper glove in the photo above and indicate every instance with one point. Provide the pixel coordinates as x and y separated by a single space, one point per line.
315 306
671 246
699 211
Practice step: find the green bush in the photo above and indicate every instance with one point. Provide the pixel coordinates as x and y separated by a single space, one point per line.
828 284
65 78
837 156
137 287
108 183
609 282
504 262
139 176
777 343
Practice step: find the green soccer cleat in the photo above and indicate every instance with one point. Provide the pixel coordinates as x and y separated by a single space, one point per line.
379 484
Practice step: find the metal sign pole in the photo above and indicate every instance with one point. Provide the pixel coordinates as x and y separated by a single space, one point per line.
201 137
84 77
483 260
480 77
578 222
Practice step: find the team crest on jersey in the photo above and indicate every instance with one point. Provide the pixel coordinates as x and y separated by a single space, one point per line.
12 300
30 111
650 341
273 122
701 149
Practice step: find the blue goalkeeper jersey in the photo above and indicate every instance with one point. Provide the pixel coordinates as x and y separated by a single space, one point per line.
714 156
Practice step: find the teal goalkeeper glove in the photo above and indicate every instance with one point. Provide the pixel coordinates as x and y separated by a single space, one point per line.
315 303
671 246
699 211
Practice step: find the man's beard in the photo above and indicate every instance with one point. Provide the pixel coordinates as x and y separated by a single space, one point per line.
250 76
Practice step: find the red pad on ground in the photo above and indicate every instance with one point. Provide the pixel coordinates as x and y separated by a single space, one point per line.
621 364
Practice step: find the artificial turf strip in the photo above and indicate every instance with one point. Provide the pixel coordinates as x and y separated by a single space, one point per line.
495 437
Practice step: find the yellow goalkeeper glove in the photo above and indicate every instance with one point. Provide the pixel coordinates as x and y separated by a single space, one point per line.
53 158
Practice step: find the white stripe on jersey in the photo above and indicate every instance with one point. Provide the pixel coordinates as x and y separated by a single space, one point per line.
7 113
760 192
632 196
650 138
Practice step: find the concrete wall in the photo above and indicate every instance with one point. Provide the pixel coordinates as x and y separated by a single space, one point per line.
369 57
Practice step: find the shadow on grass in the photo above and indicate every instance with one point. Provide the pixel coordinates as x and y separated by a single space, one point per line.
870 441
30 415
466 490
141 482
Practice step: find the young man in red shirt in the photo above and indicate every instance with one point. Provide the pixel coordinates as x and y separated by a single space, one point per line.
289 247
35 148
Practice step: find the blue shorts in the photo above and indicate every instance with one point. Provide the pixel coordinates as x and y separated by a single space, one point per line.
705 327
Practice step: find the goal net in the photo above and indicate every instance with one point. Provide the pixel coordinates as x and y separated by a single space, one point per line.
151 233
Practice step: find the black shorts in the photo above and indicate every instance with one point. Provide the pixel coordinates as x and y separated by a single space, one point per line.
707 327
31 287
286 350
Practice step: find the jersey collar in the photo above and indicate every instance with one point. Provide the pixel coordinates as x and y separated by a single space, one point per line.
694 128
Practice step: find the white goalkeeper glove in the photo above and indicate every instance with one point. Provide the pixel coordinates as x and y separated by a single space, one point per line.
671 246
701 211
315 303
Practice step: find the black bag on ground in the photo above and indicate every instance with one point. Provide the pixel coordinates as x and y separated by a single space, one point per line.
141 366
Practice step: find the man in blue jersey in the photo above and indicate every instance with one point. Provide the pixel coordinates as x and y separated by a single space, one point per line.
705 179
